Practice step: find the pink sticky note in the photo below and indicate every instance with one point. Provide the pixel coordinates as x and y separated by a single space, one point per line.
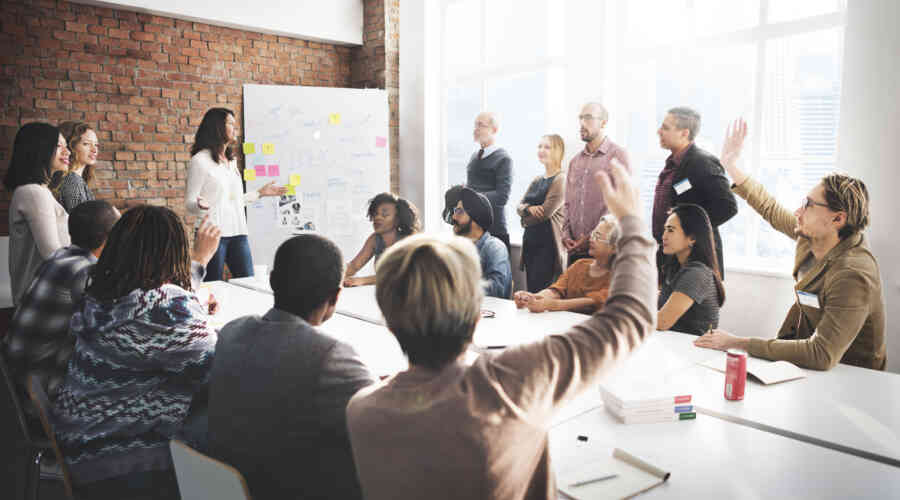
380 142
260 170
274 171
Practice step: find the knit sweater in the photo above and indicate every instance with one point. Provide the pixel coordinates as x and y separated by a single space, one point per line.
138 361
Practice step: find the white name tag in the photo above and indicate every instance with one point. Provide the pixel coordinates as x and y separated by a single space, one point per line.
682 186
808 299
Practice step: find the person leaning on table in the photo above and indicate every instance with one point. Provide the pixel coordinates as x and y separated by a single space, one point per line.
838 314
444 429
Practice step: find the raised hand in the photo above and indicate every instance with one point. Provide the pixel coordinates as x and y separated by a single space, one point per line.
731 150
206 242
619 191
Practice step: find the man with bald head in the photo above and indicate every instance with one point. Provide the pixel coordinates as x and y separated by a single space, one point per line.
490 172
584 201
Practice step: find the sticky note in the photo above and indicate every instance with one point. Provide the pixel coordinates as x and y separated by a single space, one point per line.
268 148
249 148
260 170
380 142
274 171
334 118
249 175
292 190
295 180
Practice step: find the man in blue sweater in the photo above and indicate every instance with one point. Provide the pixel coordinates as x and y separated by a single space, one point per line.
490 173
471 215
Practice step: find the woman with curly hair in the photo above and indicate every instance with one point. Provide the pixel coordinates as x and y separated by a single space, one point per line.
393 218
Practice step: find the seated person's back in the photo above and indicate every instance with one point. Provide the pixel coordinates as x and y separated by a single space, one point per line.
143 350
38 341
279 387
443 429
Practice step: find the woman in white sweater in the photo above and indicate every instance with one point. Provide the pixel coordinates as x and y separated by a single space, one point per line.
38 224
214 186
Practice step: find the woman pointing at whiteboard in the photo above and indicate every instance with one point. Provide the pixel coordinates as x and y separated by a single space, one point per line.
214 186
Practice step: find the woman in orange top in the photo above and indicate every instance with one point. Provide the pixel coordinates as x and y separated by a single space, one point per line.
584 286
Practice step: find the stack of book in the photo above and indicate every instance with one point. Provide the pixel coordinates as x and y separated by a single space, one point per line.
636 402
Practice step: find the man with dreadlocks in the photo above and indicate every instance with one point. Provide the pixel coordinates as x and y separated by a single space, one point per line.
143 349
839 312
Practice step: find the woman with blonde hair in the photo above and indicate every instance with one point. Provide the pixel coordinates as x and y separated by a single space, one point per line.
73 188
542 213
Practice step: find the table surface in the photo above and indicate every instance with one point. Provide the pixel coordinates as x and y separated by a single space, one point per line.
847 409
713 458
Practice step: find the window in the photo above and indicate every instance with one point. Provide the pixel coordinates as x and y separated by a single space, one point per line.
535 62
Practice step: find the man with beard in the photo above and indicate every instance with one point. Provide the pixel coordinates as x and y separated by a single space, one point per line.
471 217
839 312
584 201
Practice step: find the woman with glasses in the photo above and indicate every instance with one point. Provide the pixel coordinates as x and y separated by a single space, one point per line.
542 213
584 287
691 290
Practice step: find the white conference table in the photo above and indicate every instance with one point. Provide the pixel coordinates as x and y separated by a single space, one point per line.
850 409
713 458
847 409
509 326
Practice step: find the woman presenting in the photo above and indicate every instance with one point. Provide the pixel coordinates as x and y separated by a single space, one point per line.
214 185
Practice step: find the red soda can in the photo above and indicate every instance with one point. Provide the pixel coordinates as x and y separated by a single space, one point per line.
735 374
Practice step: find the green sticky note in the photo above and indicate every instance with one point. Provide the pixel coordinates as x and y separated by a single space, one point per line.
249 174
334 118
249 148
292 190
268 148
295 180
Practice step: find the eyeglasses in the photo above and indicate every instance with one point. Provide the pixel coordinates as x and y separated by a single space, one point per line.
598 237
458 210
587 118
485 313
809 202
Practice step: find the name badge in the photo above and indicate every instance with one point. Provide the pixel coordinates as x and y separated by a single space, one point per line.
808 299
682 186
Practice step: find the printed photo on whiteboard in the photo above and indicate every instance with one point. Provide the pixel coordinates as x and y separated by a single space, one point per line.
288 210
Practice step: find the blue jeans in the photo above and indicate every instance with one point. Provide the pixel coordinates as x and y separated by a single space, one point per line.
234 251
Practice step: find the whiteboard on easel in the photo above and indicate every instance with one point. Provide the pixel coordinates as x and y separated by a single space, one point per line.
329 146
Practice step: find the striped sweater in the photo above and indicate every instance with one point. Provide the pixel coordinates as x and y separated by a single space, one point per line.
138 361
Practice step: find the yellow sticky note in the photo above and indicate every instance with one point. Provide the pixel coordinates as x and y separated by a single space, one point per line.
268 148
249 174
249 148
295 180
334 118
292 190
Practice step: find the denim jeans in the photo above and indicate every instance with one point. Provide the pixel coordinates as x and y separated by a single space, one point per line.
234 251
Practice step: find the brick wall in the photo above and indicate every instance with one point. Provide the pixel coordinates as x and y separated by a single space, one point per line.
377 65
145 81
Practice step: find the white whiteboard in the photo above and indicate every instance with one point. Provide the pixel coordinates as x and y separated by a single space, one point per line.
336 140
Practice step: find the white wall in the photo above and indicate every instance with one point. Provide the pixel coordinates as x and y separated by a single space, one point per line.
869 145
332 21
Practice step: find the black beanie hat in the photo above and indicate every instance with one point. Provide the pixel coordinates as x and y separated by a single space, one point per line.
478 207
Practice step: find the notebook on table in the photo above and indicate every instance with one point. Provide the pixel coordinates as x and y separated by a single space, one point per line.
618 475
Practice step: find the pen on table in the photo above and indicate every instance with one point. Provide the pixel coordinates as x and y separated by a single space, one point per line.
594 480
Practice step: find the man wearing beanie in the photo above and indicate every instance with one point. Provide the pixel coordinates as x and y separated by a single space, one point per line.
471 217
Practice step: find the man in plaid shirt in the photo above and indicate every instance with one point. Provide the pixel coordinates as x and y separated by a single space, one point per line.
38 339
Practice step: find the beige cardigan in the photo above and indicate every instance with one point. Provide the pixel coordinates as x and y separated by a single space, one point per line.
555 211
848 326
480 431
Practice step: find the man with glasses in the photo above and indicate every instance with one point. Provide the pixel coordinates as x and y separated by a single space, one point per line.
691 175
470 218
838 313
584 201
489 172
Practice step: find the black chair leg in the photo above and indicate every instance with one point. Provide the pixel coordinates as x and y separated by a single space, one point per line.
35 480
